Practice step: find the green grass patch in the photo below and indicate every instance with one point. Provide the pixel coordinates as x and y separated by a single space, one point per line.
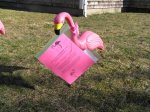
119 82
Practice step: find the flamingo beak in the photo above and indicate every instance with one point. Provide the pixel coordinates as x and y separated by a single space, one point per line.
57 28
2 32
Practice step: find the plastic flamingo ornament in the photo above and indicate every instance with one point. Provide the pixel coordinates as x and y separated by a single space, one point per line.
2 28
86 40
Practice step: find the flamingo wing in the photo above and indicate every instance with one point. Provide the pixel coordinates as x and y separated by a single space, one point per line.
93 41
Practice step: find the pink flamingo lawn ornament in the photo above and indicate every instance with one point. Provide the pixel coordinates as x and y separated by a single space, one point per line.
86 40
2 28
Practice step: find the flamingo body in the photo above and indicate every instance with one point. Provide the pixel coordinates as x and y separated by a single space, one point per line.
2 28
90 40
86 40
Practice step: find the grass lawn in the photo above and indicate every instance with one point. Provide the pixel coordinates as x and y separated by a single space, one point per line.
119 82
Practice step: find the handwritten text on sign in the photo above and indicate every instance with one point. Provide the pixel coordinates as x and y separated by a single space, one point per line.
65 59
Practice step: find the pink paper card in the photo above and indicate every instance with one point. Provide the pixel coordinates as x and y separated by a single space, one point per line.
65 59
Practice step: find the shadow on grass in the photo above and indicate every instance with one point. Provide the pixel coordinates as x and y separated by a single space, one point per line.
13 80
10 69
135 73
82 98
43 105
116 100
119 100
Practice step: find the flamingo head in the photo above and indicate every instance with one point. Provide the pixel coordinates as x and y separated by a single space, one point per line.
57 28
59 22
60 19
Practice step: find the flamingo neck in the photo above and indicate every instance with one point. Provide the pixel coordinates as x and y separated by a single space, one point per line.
73 29
76 40
70 21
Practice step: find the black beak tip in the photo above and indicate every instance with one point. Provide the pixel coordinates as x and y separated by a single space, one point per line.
57 32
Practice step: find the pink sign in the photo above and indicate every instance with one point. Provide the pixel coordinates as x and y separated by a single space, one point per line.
65 59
